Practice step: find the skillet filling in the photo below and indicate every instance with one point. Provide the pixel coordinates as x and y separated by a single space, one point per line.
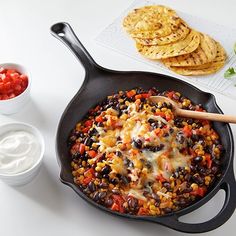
136 157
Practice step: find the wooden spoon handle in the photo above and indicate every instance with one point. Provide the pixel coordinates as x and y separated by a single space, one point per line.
206 116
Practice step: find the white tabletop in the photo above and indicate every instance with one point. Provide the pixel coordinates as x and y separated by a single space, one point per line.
46 206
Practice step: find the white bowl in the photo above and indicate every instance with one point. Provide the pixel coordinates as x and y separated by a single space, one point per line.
27 175
13 105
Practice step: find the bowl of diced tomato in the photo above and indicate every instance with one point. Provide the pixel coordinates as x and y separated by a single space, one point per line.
14 88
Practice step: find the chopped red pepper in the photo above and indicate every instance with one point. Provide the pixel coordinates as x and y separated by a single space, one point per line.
170 94
12 83
199 192
142 211
160 178
92 153
115 207
160 113
99 119
88 123
131 93
187 131
89 175
208 160
145 95
81 148
118 201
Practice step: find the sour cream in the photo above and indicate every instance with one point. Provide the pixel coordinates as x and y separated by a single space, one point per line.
19 151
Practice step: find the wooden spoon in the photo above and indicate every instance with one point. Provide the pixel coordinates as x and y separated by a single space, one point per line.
194 114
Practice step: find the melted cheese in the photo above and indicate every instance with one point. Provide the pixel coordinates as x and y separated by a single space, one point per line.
133 126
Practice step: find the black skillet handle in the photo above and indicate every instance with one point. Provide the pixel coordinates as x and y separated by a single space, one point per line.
229 186
65 33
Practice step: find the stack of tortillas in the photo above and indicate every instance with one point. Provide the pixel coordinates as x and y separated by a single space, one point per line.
160 34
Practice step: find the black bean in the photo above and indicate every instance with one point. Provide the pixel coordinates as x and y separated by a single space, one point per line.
98 175
153 91
195 137
167 185
198 179
178 122
167 210
156 197
108 202
202 170
103 185
124 179
175 174
215 161
197 159
118 153
114 180
105 176
182 202
193 168
128 163
165 135
190 121
115 191
220 147
187 177
133 203
171 130
155 148
151 121
187 190
100 124
214 169
88 141
96 196
180 137
92 187
148 164
92 132
71 139
106 170
137 143
102 195
76 155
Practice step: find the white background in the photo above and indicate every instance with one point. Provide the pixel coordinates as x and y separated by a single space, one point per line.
45 206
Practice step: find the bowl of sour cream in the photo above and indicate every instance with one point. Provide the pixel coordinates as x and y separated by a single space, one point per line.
21 152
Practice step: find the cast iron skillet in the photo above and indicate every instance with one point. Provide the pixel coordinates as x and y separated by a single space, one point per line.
100 82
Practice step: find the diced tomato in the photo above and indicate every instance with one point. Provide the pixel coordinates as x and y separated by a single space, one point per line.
88 123
115 207
92 153
85 130
142 211
99 119
138 96
170 94
187 131
201 191
12 83
118 201
81 148
145 95
208 160
89 175
131 93
169 117
157 131
160 178
160 113
75 148
87 180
